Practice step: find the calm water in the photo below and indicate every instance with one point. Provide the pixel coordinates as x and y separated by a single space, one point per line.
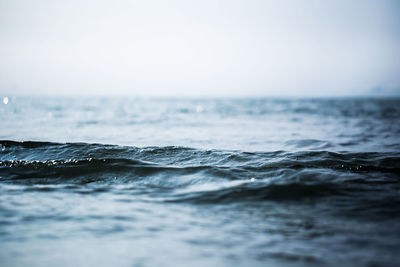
217 182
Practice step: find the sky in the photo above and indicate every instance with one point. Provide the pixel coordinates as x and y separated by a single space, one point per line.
200 48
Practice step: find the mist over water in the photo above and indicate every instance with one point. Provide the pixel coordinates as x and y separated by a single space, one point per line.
204 48
244 182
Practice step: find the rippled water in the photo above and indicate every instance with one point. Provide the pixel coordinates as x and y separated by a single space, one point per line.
207 182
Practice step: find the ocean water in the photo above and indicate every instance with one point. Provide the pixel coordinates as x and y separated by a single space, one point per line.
199 182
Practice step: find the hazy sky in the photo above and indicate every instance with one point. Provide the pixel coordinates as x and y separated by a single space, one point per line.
200 48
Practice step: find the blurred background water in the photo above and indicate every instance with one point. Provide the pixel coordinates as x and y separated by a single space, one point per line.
244 124
91 181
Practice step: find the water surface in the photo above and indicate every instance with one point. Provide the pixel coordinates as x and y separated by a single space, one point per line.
204 182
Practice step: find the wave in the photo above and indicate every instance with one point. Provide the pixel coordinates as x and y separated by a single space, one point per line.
189 174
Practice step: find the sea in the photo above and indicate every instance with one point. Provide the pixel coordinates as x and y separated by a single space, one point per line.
128 181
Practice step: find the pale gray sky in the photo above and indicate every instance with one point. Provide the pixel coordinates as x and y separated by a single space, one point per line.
200 48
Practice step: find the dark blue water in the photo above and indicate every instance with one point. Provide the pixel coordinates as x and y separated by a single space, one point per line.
199 182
